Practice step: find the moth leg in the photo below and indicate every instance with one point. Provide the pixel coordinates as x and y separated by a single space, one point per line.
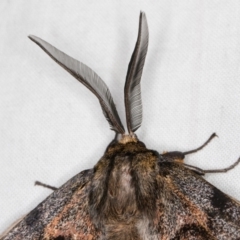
202 171
223 169
179 156
197 170
202 146
37 183
173 156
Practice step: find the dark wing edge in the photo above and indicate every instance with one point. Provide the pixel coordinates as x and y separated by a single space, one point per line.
88 78
132 89
198 206
48 219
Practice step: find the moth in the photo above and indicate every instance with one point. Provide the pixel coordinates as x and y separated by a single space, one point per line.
132 192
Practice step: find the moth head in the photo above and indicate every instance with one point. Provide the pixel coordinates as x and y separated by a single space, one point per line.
132 89
126 138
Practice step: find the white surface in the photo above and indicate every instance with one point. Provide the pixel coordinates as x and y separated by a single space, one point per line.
52 127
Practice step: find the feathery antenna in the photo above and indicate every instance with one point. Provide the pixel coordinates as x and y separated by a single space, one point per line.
132 90
88 78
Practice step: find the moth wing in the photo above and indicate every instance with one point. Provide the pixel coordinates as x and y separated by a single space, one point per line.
63 215
11 227
192 208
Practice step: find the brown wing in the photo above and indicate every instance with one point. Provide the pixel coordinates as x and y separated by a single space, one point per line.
63 215
191 208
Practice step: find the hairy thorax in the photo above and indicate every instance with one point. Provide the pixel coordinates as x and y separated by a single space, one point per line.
124 189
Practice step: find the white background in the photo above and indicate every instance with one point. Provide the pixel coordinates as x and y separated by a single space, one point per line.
52 127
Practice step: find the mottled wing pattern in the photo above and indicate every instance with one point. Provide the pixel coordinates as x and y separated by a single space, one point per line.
191 208
63 215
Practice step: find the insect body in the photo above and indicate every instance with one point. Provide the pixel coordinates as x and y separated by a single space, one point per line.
132 192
